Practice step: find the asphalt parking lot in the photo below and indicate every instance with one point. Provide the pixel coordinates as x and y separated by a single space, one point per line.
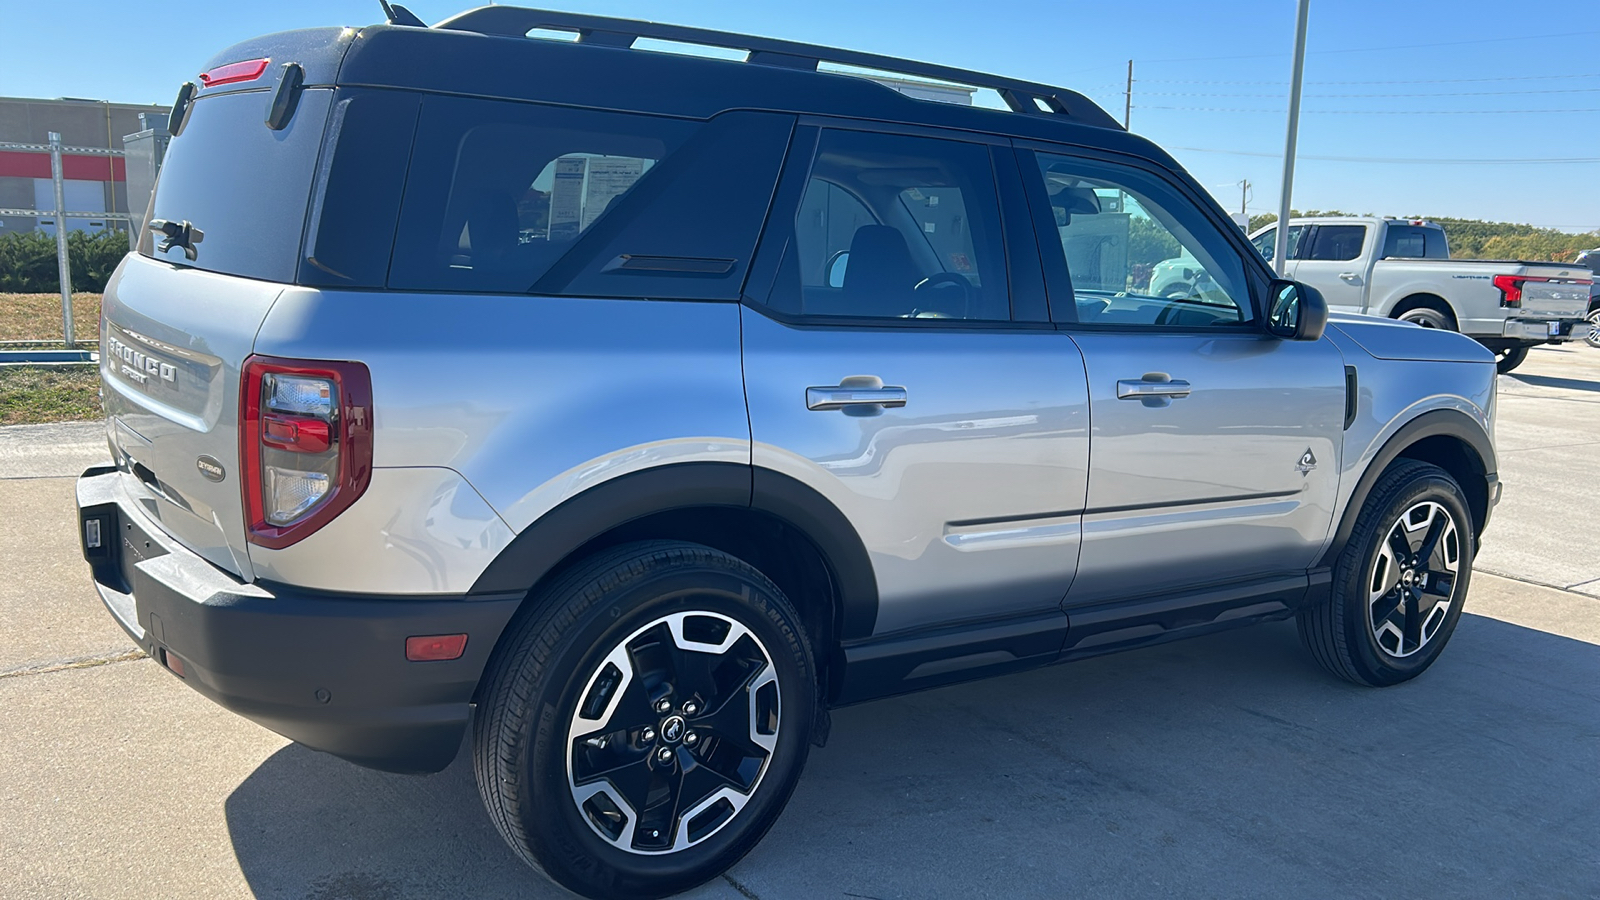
1222 766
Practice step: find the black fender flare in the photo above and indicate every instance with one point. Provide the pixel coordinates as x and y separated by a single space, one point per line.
576 521
1440 422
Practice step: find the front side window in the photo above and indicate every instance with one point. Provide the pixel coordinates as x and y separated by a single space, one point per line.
1138 253
892 226
1266 242
1337 242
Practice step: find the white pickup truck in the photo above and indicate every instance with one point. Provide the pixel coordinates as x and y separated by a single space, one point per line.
1401 269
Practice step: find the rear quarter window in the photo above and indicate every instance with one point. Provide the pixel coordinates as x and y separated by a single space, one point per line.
516 197
243 185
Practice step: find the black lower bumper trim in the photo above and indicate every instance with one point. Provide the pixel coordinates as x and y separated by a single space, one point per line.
328 671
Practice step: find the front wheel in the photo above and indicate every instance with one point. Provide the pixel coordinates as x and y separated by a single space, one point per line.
1510 358
644 726
1594 332
1398 586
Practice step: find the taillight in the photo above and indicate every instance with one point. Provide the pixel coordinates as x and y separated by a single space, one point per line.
305 444
1511 289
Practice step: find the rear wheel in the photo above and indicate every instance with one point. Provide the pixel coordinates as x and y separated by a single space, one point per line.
1594 332
1510 358
1428 316
1398 586
643 730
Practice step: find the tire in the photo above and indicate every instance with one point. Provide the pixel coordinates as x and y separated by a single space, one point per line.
1355 634
1594 333
740 700
1428 316
1506 360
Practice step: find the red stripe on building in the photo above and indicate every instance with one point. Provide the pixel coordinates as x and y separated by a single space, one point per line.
33 164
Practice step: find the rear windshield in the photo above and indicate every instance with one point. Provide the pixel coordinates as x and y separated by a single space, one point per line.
241 184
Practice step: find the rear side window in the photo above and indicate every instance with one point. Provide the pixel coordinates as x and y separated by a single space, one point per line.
244 186
1336 242
512 198
1414 242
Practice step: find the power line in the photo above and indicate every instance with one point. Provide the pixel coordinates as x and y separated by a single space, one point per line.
1382 112
1499 40
1390 81
1403 159
1380 96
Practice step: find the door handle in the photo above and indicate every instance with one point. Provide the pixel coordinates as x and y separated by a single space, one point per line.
1350 276
856 391
1145 389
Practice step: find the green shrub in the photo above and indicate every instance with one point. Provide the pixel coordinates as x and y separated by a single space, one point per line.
28 260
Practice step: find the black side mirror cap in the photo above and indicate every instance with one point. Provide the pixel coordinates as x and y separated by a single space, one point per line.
1296 312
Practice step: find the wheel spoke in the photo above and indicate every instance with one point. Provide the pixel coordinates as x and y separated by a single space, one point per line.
1400 545
1414 619
1430 541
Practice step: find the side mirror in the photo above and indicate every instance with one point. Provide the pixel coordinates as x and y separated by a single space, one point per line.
1297 311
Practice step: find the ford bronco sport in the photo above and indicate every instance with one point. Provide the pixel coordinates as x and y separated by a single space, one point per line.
633 409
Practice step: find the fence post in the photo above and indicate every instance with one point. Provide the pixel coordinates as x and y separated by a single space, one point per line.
62 265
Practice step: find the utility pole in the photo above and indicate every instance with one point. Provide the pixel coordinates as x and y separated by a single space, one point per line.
1244 199
1280 248
1127 97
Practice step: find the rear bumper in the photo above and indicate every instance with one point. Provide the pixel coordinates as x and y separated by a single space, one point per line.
1547 330
328 671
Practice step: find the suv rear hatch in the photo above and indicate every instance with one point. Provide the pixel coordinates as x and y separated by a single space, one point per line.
180 317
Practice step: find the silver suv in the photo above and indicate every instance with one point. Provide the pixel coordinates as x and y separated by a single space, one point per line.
636 408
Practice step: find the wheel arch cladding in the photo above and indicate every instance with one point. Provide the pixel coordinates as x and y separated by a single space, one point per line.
783 528
1447 438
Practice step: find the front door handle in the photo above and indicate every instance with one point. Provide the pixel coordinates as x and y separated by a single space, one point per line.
856 391
1351 277
1147 389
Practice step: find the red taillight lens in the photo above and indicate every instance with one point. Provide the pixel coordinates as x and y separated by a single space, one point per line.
248 70
297 433
1510 290
305 444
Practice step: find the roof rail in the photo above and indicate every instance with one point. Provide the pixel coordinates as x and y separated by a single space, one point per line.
1020 96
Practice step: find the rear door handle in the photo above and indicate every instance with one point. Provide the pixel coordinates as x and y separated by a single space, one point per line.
857 390
1144 390
1350 276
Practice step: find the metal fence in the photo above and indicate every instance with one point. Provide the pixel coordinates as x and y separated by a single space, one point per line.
61 214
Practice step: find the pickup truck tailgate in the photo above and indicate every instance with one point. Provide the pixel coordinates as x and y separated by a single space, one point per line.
1554 291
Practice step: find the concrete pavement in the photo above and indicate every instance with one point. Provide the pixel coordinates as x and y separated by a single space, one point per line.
1223 766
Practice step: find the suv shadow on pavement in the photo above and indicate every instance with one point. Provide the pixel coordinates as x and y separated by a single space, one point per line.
1223 765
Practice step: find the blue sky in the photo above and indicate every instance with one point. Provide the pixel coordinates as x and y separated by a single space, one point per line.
1432 81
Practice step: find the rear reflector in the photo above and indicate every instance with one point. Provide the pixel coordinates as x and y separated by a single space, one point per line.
173 663
435 647
249 70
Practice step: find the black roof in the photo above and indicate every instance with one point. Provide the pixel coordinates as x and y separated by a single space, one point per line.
485 52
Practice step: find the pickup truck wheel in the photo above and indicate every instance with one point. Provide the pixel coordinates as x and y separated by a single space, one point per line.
1398 586
1506 360
644 725
1428 317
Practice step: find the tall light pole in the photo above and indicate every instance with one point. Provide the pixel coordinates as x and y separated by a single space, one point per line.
1280 249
